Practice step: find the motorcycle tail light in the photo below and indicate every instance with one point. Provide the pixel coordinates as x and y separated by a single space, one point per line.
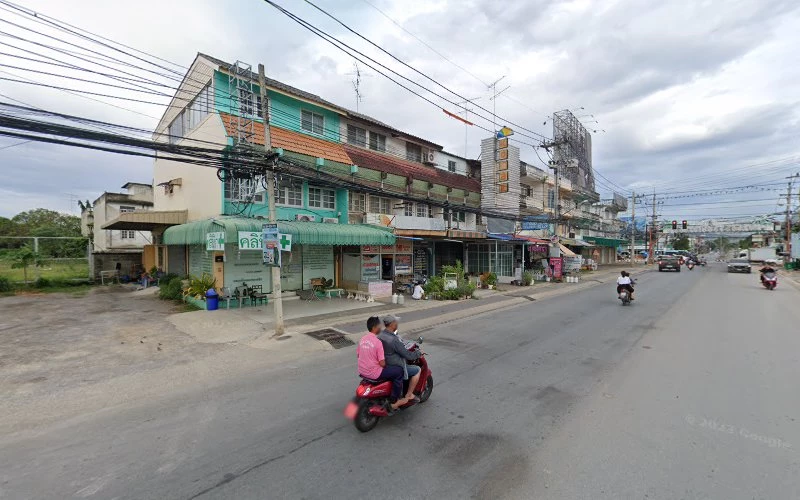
362 390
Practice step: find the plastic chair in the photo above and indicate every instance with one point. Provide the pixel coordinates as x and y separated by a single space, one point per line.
227 296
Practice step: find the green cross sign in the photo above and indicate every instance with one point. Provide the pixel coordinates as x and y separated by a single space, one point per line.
285 242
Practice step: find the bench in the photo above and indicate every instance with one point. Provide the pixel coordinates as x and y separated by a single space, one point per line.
330 291
359 295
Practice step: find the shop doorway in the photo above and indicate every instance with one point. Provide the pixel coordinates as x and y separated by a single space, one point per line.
387 268
219 270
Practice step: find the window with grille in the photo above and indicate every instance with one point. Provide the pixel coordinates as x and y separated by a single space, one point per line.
451 165
551 198
192 115
459 217
123 209
243 190
377 142
312 122
409 209
321 198
246 103
422 210
128 235
356 136
413 152
380 205
357 202
289 192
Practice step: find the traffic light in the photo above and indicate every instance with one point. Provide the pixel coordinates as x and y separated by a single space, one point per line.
674 224
684 224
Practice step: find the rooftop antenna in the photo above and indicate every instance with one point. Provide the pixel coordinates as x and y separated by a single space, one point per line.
357 75
493 87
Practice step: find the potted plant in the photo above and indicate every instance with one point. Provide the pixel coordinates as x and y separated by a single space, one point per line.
527 278
491 280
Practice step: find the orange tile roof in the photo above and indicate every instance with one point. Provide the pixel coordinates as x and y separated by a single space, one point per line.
293 141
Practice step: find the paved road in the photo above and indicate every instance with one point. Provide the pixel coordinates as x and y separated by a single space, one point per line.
685 394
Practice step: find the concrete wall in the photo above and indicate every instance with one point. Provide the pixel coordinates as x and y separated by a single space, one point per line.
201 190
442 159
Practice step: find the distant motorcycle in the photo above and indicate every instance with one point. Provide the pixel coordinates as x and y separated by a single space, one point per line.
690 265
625 295
769 280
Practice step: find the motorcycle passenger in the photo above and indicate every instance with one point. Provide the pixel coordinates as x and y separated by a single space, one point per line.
624 282
372 362
397 354
766 269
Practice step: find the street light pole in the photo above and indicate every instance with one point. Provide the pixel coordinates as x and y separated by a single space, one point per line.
277 302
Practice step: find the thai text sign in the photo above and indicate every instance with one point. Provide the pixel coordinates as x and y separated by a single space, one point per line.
250 240
215 241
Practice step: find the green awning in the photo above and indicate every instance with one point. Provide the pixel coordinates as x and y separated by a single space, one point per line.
605 242
303 233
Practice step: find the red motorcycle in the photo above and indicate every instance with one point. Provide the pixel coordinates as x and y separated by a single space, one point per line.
372 396
769 280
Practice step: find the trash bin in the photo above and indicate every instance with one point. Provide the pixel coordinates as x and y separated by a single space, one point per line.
212 300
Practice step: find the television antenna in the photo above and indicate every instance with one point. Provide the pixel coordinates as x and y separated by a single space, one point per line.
357 75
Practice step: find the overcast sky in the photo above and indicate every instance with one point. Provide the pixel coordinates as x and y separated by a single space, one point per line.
682 94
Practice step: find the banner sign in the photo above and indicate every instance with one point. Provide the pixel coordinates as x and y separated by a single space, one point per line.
558 266
272 255
215 241
285 241
250 240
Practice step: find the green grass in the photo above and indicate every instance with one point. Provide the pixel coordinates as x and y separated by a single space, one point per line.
54 270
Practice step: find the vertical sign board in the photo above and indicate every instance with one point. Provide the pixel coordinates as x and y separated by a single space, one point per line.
215 242
272 254
501 165
558 266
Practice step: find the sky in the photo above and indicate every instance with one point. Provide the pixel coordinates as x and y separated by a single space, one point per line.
680 95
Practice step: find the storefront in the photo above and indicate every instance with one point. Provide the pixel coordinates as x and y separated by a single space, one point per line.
502 255
367 263
229 248
605 249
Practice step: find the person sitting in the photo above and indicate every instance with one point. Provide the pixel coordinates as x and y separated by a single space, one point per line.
397 355
418 292
624 282
372 362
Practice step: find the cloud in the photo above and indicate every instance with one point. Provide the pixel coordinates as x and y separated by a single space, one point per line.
681 88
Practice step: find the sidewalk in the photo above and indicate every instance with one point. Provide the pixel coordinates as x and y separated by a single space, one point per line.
254 326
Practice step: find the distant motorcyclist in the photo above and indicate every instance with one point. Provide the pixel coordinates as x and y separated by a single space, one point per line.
768 268
624 282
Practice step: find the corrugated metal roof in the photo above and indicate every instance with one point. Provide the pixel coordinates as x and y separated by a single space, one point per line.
393 165
303 233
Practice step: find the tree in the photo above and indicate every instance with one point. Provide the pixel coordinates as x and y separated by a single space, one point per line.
45 223
746 243
24 258
681 242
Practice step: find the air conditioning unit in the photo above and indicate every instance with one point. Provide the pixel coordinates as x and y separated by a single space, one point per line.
305 218
330 220
428 157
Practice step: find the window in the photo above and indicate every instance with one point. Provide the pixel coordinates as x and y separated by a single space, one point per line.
289 192
358 202
377 142
409 209
451 165
483 257
459 217
243 190
413 152
551 198
527 191
321 198
245 102
356 136
380 205
128 235
192 115
422 210
312 122
123 209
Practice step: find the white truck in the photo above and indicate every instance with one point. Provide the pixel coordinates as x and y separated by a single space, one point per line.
759 254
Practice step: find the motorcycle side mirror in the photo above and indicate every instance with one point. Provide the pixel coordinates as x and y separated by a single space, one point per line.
420 339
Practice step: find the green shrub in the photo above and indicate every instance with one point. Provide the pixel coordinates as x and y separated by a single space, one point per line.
434 287
5 285
527 278
42 283
199 286
171 289
491 279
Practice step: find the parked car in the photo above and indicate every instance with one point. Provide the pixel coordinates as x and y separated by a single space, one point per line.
669 263
739 266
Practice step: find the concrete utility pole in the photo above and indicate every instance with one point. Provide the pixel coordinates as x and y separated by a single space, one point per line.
653 234
277 302
633 226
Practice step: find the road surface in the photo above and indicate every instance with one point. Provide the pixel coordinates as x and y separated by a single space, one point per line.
688 393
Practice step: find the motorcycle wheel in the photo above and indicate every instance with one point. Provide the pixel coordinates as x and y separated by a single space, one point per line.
426 392
364 421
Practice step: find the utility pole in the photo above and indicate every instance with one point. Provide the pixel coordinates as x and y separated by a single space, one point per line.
653 233
787 246
633 227
277 302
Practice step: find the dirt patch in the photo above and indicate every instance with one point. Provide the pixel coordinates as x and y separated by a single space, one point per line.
52 342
